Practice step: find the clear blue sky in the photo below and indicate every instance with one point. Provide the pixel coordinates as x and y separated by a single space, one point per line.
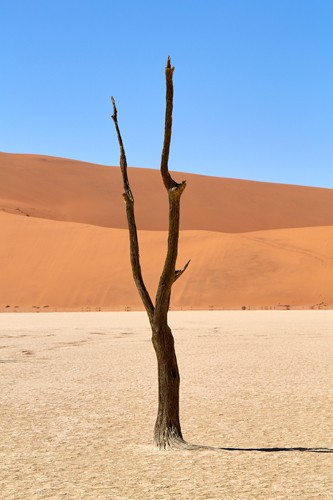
253 84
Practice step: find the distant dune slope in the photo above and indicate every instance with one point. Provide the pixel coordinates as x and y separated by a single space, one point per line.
67 190
69 266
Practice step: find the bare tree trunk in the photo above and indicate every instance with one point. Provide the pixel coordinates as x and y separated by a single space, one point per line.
167 432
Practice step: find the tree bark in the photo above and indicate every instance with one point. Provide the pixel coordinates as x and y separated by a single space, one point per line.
167 433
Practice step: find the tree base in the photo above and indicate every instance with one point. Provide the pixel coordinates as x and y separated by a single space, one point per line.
170 439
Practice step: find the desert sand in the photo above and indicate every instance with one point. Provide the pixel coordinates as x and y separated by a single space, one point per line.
68 190
78 403
53 265
64 241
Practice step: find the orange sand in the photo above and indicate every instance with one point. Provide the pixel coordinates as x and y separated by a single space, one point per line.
64 241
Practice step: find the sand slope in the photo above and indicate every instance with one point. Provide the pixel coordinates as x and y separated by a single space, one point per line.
60 189
64 242
70 266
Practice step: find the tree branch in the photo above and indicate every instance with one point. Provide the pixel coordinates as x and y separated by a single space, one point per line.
134 243
167 179
179 272
175 190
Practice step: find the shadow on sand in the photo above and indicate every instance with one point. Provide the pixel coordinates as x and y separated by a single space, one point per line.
276 450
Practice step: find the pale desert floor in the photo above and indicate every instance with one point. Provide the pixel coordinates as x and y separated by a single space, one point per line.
78 403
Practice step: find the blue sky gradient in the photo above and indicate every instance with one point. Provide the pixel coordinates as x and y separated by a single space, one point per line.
253 84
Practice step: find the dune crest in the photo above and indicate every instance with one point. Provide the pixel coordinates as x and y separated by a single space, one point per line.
68 190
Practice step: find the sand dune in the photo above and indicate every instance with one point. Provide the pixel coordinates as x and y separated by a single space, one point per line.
70 266
67 190
65 245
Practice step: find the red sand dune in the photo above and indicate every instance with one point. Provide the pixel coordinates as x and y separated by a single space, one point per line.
68 190
250 243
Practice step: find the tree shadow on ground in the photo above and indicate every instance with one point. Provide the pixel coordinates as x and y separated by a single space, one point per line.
273 449
278 449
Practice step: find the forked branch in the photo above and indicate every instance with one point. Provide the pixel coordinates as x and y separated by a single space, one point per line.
169 274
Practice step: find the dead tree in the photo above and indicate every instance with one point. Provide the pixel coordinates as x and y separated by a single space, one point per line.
167 432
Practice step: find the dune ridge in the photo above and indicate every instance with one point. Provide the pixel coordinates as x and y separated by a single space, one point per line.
69 190
65 241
